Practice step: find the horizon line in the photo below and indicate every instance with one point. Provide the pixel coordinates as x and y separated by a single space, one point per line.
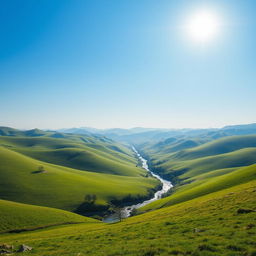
128 128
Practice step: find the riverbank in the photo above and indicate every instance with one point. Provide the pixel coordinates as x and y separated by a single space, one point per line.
126 211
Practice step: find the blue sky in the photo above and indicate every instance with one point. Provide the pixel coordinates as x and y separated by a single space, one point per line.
124 63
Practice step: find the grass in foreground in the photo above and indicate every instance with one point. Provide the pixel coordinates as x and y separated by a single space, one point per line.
210 225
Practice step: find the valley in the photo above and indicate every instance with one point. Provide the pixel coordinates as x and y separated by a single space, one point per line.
56 188
129 210
80 174
127 128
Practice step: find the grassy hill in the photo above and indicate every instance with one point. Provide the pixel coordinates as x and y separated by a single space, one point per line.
94 155
7 131
210 225
220 146
17 217
204 169
211 210
228 152
39 168
208 185
191 168
63 187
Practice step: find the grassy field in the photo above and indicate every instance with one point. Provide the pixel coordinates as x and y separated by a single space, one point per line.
197 147
211 211
209 225
220 146
206 168
206 186
94 155
41 168
62 187
17 216
183 166
197 166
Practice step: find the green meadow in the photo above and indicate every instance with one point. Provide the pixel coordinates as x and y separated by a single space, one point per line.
132 128
50 181
205 168
21 217
209 225
62 172
206 186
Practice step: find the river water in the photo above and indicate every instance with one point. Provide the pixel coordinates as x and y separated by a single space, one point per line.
127 210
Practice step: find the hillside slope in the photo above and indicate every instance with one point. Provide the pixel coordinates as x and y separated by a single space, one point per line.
204 169
21 180
190 168
228 152
16 217
210 225
80 173
211 210
207 186
220 146
96 155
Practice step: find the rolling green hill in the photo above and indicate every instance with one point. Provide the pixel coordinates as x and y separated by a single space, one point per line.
94 155
211 210
17 217
203 169
81 173
228 152
220 146
7 131
206 186
210 225
63 187
191 168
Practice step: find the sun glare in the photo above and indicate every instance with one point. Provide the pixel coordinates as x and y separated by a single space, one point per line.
203 26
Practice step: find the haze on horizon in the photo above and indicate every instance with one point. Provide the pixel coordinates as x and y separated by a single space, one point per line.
125 127
127 63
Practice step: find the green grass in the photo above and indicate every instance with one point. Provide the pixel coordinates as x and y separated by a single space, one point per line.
209 185
95 156
205 169
63 187
160 152
200 218
238 158
173 145
86 160
211 174
206 226
75 166
228 152
220 146
18 217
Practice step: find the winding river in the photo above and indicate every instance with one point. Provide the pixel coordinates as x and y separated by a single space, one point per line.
127 210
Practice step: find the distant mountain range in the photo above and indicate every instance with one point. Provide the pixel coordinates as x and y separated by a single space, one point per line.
117 131
140 134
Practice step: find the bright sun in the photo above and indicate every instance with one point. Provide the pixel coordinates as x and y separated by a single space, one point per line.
203 26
